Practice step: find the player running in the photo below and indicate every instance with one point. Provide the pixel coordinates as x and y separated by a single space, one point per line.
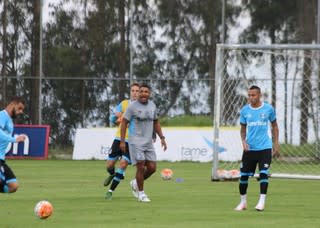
116 153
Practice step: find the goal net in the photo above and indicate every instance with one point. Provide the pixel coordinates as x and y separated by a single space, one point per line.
289 77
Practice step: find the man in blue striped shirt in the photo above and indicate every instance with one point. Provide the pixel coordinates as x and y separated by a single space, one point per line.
8 181
259 144
115 176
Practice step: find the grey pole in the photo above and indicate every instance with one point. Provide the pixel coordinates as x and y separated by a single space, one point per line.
131 36
318 23
223 20
216 116
318 41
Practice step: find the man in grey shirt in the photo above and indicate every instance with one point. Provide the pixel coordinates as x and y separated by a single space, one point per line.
142 117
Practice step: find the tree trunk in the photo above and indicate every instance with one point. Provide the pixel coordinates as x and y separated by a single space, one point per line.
273 71
307 30
305 98
212 66
4 54
122 53
212 62
35 64
286 130
83 82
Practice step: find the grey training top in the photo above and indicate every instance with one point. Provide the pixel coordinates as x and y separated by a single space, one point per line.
141 117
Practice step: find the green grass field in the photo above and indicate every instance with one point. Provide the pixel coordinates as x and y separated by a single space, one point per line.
76 192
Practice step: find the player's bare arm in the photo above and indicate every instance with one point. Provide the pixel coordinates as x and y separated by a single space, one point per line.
275 138
124 123
158 130
243 134
119 116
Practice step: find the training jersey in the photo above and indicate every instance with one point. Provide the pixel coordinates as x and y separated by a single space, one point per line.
141 121
257 120
122 107
6 131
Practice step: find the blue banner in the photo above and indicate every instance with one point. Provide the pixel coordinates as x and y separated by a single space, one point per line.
35 145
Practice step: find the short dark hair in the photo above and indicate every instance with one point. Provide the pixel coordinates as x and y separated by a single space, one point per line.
17 100
255 87
145 85
135 84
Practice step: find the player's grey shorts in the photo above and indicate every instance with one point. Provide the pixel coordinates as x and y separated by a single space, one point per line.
142 153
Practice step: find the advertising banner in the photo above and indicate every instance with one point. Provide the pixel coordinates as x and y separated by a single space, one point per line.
34 147
184 144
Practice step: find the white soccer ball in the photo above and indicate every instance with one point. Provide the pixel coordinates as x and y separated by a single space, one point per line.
222 174
166 174
43 209
234 173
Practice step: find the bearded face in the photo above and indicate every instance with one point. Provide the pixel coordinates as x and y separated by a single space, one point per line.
14 113
17 110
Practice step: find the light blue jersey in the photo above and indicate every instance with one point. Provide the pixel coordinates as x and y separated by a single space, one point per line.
122 107
6 131
258 128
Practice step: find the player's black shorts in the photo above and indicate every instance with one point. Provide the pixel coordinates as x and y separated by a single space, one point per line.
115 152
6 173
250 159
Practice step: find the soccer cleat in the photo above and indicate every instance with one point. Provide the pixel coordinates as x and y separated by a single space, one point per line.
259 207
241 207
108 180
143 198
108 195
134 188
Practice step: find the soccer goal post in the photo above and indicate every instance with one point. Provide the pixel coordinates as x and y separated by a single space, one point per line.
289 77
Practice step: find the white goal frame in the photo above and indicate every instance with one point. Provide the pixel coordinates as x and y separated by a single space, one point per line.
290 62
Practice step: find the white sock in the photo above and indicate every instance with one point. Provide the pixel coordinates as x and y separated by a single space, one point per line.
243 198
141 193
110 190
262 199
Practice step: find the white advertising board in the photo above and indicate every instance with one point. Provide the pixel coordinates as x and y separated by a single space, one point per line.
184 144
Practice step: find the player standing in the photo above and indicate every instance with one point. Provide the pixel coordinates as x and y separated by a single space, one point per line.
143 122
8 181
257 145
116 153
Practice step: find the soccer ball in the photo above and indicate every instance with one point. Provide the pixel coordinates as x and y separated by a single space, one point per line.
234 173
43 209
166 174
223 174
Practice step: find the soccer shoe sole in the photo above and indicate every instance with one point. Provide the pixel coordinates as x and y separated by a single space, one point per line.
259 208
144 200
241 207
108 180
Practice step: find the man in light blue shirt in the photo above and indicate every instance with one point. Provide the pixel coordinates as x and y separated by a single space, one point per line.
255 119
8 181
